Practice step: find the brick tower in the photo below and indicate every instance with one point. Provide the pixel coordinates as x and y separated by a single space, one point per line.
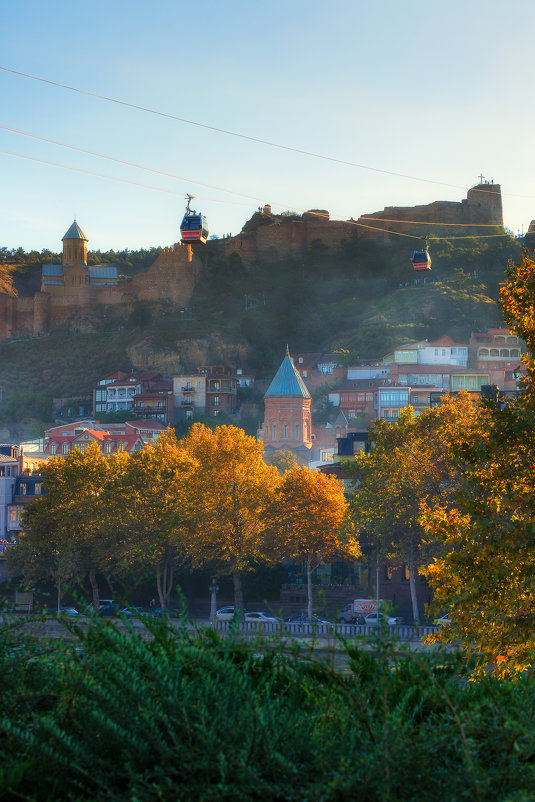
287 422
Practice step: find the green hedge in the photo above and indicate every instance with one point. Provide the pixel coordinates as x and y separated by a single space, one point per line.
110 715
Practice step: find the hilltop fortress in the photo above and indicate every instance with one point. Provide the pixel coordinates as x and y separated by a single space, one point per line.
76 297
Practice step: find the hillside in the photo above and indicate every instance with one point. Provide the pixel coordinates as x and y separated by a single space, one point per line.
364 299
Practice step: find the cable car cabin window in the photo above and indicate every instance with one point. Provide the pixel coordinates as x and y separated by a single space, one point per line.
191 223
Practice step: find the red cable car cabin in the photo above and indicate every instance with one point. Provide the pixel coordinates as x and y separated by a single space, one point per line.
194 228
421 260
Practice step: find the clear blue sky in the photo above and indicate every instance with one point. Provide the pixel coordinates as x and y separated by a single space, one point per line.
440 91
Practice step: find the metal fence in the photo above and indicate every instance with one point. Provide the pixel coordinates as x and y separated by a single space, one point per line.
401 632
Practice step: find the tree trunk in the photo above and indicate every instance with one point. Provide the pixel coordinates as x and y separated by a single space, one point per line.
412 586
309 588
164 583
94 588
238 592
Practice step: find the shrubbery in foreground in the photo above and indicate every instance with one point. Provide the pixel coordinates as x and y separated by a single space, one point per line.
108 715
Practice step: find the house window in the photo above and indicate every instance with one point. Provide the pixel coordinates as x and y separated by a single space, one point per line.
326 456
406 573
160 404
216 400
189 414
15 514
389 573
297 431
216 386
305 374
53 448
65 448
120 446
107 448
23 489
38 488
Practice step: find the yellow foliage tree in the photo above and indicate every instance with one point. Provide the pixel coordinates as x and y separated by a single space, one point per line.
231 491
309 516
149 505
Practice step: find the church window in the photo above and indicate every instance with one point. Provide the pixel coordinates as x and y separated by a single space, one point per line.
297 431
274 432
285 431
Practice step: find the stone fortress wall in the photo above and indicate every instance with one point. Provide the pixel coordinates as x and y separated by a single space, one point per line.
172 278
292 238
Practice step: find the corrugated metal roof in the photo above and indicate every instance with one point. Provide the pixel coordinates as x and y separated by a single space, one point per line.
103 271
74 232
52 270
287 381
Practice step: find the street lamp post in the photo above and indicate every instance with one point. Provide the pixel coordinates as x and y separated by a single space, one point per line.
214 587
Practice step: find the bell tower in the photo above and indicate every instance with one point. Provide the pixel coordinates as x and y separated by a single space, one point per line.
74 247
287 419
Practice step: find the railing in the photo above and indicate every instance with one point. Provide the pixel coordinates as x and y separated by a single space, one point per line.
401 632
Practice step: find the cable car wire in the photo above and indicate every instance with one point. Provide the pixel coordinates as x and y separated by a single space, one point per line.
220 200
257 140
326 216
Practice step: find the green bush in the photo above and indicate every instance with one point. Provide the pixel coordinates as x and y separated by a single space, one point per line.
111 715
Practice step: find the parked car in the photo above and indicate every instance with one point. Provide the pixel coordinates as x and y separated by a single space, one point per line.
260 618
226 614
445 620
374 620
107 607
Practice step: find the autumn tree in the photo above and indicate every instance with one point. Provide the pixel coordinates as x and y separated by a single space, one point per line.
409 464
149 506
486 576
309 517
65 532
231 491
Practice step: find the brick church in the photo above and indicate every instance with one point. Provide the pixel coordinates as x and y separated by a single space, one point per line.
73 272
287 420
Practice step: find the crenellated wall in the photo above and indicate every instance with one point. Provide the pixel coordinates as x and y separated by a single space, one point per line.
290 239
171 278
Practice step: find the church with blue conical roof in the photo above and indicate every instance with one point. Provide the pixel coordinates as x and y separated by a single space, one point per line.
287 420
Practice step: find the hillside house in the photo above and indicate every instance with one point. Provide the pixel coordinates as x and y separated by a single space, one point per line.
142 393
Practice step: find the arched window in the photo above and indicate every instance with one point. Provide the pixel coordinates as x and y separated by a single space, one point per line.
483 352
504 352
494 352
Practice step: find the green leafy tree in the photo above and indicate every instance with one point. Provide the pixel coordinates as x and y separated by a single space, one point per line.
66 535
486 575
409 465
